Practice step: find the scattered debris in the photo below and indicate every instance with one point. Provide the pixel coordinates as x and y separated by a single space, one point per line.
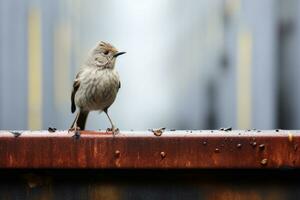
239 145
217 150
264 161
158 132
15 133
226 129
52 130
204 143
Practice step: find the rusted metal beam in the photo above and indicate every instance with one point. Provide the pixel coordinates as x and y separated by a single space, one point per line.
146 150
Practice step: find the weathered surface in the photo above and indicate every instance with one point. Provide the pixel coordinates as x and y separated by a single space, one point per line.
144 150
150 184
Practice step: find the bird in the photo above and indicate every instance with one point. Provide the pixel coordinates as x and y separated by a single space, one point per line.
96 85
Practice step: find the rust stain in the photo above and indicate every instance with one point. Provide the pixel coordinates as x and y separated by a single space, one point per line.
290 136
117 153
264 161
261 147
217 150
197 150
163 154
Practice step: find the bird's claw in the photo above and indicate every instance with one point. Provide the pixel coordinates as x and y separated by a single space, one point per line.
114 130
75 129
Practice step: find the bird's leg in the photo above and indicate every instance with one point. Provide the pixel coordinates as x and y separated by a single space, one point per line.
113 128
74 126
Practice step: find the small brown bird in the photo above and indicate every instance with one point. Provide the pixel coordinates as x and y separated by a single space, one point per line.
96 85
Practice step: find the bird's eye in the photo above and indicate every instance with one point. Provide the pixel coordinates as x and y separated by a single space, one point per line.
105 52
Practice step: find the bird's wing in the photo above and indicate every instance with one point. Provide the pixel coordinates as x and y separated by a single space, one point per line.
76 85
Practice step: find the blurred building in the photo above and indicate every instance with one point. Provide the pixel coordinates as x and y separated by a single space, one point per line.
201 65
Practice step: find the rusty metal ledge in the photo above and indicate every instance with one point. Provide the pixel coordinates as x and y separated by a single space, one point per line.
144 150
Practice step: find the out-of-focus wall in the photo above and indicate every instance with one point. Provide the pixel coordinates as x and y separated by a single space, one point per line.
196 65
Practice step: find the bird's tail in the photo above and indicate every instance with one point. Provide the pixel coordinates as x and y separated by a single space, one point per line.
80 120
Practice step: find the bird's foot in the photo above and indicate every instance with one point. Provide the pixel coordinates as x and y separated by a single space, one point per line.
114 130
75 129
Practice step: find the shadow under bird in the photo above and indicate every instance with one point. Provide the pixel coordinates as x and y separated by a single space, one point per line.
96 85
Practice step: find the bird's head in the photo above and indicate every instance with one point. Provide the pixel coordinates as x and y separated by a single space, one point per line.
104 55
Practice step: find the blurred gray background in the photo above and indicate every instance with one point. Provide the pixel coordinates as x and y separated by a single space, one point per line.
189 64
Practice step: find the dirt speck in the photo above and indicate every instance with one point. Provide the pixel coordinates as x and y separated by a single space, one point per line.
158 132
15 133
51 129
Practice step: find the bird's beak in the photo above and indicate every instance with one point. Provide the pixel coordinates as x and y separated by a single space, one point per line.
118 54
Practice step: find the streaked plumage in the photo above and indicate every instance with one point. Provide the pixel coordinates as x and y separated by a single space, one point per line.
96 85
